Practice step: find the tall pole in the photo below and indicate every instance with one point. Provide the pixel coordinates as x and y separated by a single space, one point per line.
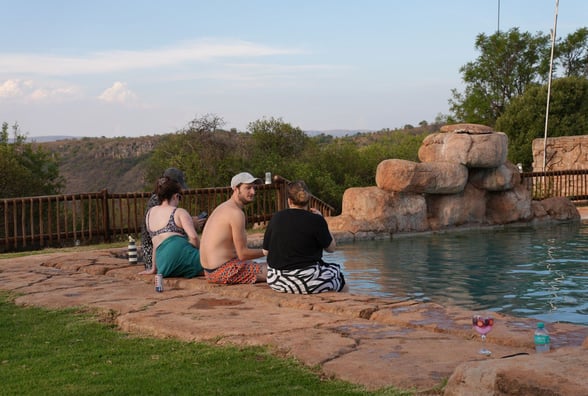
553 34
498 26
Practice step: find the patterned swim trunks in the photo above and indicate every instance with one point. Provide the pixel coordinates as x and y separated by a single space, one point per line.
317 278
234 272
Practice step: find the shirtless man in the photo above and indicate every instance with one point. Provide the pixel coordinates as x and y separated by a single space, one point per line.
224 254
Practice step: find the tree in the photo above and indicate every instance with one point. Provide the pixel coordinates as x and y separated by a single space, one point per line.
329 168
508 63
274 145
26 170
573 53
206 123
208 155
524 119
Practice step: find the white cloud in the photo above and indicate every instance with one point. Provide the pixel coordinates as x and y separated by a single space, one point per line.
116 61
118 93
29 90
54 93
11 89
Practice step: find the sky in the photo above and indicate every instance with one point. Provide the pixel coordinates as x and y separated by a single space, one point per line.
146 67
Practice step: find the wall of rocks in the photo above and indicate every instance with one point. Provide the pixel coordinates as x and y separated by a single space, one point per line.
563 153
462 179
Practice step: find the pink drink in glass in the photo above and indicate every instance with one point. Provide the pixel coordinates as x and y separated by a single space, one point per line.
483 325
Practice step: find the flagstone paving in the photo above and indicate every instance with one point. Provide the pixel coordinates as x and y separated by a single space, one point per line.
375 342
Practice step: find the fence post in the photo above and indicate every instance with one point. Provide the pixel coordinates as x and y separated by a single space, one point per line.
105 215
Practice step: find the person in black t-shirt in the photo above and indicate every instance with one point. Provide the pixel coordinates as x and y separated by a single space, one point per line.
294 242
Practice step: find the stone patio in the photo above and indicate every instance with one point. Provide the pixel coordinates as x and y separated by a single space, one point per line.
375 342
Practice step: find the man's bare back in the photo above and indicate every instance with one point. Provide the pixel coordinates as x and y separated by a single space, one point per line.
224 236
219 245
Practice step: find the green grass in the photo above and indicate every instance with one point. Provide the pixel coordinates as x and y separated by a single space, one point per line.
70 352
112 245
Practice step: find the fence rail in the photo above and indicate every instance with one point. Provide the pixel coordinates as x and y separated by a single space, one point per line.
65 220
566 183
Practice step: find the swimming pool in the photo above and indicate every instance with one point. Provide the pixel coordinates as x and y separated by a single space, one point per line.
533 271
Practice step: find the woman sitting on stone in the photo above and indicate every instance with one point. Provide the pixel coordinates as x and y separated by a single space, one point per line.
175 242
294 241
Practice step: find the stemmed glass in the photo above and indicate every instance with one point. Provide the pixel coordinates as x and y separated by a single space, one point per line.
483 325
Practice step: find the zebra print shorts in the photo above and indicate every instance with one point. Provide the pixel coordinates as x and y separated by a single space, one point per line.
317 278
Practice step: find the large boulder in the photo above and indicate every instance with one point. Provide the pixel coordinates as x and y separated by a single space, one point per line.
505 177
447 210
538 211
487 150
463 179
430 178
370 209
560 208
367 203
562 372
509 206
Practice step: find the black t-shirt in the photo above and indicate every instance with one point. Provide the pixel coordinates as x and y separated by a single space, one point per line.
295 239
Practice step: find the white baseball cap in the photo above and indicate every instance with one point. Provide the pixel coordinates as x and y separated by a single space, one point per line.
244 178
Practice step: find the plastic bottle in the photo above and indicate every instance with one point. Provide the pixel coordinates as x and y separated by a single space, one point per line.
541 338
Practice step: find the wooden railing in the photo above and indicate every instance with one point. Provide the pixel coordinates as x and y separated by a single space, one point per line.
66 220
567 183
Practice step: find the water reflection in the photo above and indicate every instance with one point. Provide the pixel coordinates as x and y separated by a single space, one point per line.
535 272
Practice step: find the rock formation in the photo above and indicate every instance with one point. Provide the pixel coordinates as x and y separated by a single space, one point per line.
463 179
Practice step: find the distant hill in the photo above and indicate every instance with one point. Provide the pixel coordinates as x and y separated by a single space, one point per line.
42 139
94 164
338 132
118 164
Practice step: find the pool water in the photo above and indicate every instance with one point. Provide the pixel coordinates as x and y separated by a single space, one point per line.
539 272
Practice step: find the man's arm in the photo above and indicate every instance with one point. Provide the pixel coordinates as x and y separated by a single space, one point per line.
240 238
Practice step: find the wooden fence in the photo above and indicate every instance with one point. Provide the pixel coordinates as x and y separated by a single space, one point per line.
66 220
567 183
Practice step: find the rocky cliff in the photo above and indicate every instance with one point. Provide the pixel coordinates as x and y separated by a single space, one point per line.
94 164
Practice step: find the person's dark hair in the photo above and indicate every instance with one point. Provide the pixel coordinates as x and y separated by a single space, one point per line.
165 188
298 193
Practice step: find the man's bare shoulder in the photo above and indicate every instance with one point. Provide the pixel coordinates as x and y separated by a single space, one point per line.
223 214
227 207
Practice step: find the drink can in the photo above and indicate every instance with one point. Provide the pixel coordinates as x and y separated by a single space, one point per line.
159 283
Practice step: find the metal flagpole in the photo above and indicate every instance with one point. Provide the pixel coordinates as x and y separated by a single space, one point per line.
553 34
498 24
